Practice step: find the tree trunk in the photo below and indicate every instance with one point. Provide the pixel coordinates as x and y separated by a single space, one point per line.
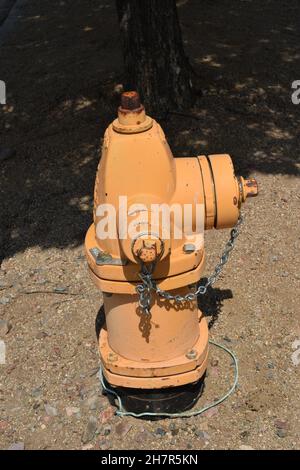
155 63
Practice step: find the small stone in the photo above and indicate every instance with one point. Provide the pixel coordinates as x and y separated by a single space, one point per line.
281 424
5 327
214 362
4 300
4 425
60 290
17 446
72 410
296 353
143 436
6 153
202 435
281 432
90 430
244 447
107 414
123 428
286 311
245 434
160 432
107 430
271 365
50 410
36 392
41 335
211 412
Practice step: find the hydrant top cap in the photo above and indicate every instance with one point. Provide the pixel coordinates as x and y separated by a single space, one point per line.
132 117
130 100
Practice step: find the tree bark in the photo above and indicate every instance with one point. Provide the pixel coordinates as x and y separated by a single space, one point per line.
155 62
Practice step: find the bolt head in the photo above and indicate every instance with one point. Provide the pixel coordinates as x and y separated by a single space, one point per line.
189 248
192 354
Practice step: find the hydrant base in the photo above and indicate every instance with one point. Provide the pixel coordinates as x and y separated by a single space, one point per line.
167 400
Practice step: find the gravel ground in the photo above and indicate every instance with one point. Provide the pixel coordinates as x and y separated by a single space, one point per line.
61 63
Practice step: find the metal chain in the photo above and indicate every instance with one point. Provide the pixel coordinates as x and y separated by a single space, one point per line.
148 285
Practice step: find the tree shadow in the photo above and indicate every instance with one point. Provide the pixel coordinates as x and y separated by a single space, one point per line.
61 64
246 55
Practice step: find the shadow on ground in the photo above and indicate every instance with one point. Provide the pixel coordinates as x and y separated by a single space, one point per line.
212 302
61 66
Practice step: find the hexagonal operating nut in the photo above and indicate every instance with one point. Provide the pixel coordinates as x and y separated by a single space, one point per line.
192 354
130 100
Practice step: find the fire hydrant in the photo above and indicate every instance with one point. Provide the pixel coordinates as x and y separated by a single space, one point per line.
154 343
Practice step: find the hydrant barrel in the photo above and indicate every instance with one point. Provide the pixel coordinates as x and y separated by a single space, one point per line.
160 338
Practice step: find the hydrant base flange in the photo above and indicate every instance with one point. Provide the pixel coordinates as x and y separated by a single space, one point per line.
171 400
156 382
181 370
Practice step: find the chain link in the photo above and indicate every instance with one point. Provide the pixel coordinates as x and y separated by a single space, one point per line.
148 285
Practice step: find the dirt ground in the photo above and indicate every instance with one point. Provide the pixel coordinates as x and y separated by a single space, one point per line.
61 62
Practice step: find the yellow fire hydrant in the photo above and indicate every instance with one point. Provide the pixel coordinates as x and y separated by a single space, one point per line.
154 344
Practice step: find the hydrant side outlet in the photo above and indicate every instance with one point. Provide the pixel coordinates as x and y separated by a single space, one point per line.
155 337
